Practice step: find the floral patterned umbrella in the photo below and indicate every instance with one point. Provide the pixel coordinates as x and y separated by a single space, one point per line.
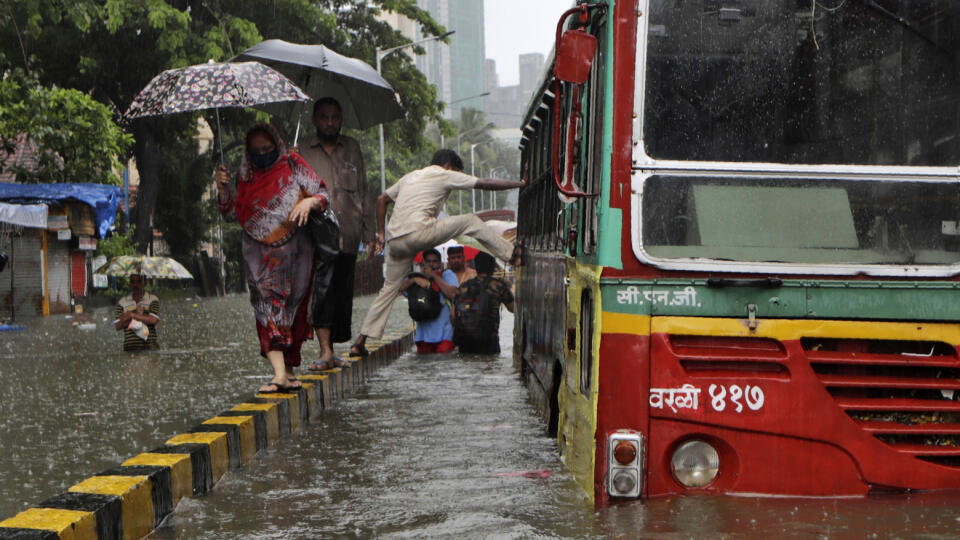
211 86
154 267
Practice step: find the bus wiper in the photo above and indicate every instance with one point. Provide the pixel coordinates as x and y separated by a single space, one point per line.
768 283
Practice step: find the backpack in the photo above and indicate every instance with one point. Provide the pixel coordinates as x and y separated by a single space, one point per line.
424 304
471 320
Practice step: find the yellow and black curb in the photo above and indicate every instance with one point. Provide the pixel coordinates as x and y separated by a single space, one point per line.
128 502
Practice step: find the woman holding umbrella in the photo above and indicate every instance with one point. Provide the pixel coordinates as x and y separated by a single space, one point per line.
276 191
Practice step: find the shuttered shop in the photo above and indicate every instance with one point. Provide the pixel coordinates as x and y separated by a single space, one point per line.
59 268
25 272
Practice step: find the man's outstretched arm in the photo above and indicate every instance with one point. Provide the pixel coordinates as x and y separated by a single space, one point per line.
498 184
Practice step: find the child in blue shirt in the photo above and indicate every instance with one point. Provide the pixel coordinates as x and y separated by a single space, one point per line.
434 336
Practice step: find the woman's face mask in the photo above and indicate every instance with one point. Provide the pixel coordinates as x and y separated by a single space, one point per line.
264 161
262 151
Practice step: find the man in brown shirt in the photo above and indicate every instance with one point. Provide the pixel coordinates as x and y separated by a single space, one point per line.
336 158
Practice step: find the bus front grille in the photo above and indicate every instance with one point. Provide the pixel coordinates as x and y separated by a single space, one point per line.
904 393
729 357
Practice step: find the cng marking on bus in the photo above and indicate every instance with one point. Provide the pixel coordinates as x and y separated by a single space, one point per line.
688 397
632 295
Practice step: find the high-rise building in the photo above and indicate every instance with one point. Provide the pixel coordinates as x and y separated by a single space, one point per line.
507 103
531 69
457 69
493 80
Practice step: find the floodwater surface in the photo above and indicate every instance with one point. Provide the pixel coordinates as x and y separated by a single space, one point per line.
443 446
74 404
434 446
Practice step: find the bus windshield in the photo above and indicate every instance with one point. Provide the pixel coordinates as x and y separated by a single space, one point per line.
801 221
874 82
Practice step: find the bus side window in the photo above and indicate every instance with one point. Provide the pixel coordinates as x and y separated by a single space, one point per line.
591 168
523 218
586 341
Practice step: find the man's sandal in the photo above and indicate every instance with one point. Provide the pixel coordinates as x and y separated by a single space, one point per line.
360 352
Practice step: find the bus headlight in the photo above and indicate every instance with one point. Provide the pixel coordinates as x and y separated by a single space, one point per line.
624 463
695 464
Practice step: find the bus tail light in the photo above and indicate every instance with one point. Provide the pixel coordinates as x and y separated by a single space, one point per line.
625 463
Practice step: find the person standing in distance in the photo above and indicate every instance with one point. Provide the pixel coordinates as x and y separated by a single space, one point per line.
434 336
137 316
337 159
476 322
457 263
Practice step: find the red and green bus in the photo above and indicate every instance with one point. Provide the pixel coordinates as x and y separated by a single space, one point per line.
741 236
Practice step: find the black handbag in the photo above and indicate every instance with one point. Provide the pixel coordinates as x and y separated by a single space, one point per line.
325 233
423 304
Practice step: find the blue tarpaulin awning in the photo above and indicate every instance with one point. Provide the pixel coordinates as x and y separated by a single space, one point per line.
102 198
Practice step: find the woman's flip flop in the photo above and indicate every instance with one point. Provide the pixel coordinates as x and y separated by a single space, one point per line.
339 362
280 388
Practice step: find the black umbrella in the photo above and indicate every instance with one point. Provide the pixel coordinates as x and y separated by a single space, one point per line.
367 99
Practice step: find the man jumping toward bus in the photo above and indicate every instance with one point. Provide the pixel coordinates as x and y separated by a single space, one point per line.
418 198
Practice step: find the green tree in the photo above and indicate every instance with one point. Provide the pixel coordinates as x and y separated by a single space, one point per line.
74 136
472 127
117 244
75 45
181 213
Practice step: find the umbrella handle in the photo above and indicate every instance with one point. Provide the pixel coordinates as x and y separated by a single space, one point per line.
219 136
296 136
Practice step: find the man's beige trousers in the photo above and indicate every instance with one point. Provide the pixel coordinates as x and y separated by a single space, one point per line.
402 250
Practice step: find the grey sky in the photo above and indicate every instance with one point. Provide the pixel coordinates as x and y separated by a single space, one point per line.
514 27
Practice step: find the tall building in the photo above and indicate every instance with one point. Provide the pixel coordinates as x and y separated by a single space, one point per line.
457 69
493 80
507 103
402 24
460 70
531 69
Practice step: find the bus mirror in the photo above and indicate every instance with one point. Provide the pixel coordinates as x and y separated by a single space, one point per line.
575 50
574 57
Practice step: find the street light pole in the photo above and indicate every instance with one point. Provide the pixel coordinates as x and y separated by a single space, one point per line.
459 101
495 173
473 192
381 54
490 125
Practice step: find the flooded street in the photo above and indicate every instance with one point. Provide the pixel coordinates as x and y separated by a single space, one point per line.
432 447
75 405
